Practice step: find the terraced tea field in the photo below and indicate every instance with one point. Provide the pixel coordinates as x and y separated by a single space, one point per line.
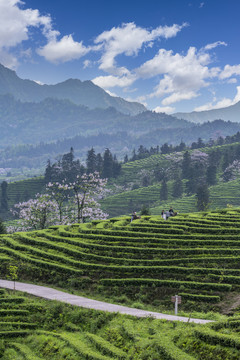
33 329
145 261
196 255
220 196
23 190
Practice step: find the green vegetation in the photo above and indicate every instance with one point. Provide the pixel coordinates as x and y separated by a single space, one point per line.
35 329
146 261
140 264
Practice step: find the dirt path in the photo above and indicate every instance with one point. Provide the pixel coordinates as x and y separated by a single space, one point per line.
52 294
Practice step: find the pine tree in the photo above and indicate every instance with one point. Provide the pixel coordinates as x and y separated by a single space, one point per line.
99 163
165 149
107 171
91 161
211 174
134 155
200 143
177 188
186 164
4 197
67 160
164 190
202 196
116 167
48 172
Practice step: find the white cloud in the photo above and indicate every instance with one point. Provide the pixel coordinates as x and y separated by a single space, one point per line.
215 44
110 81
129 39
164 109
183 75
111 93
178 96
63 50
87 63
229 70
225 102
232 81
8 59
14 27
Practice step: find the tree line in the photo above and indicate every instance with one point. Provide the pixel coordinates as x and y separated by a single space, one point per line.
67 168
143 152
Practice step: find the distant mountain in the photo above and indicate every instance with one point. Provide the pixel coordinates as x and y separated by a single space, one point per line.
54 119
205 131
230 113
79 92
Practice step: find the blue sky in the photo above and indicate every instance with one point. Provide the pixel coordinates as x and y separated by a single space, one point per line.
171 55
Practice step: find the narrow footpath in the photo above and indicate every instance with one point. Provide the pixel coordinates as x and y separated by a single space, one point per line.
52 294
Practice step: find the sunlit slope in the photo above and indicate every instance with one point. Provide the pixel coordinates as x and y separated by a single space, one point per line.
35 329
23 190
197 255
221 196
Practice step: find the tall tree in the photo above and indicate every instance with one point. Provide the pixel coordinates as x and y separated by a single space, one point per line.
4 197
91 161
177 188
116 167
99 163
107 171
165 149
202 196
164 190
211 174
186 164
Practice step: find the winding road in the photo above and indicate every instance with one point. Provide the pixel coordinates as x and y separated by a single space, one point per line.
52 294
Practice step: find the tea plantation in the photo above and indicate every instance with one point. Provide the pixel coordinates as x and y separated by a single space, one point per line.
221 196
146 260
140 263
33 329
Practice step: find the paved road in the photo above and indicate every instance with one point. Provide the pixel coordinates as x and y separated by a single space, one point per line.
52 294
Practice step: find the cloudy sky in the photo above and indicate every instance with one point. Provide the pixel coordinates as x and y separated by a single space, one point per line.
170 55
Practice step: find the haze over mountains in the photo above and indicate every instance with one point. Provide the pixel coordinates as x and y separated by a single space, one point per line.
79 92
81 114
230 113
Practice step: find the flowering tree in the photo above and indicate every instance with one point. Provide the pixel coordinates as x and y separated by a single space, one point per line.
59 193
232 172
57 207
86 189
37 213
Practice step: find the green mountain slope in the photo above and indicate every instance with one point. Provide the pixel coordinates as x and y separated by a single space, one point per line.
146 260
81 93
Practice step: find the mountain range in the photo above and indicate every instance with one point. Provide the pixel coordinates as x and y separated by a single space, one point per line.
230 113
55 117
79 92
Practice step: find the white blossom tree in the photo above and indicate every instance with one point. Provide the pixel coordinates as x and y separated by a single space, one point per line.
59 193
87 189
63 204
37 213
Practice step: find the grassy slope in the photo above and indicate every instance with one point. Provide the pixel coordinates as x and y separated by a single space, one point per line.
132 200
195 255
34 329
221 196
24 189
